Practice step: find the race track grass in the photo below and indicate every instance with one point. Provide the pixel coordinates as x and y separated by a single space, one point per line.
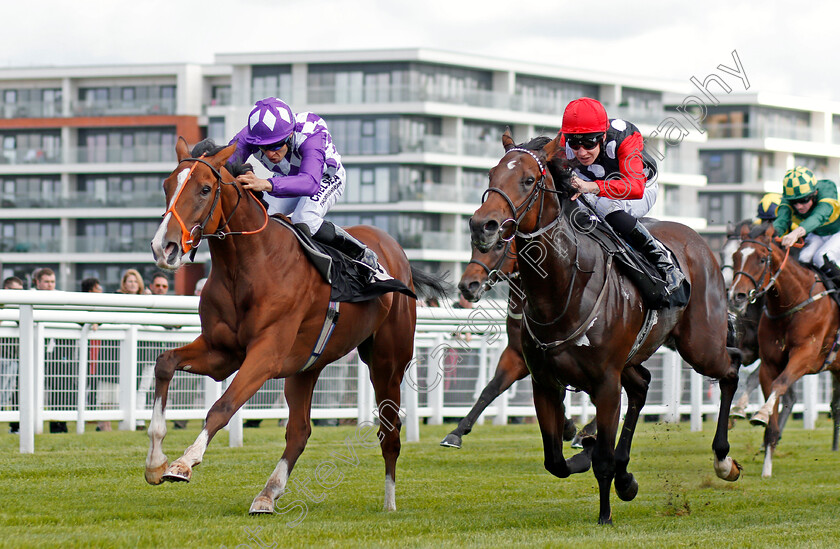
88 491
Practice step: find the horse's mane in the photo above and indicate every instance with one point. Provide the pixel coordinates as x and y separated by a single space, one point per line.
210 148
558 167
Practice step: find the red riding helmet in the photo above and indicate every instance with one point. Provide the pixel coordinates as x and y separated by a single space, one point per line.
584 115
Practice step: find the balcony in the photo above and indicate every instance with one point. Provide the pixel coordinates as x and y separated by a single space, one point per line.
31 109
434 240
108 244
135 153
30 156
123 108
24 245
760 130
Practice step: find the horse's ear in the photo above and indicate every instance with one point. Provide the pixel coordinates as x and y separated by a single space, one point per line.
553 148
222 156
770 232
745 231
182 150
507 139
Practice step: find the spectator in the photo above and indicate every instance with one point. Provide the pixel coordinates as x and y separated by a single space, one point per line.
131 283
9 365
199 286
58 369
159 284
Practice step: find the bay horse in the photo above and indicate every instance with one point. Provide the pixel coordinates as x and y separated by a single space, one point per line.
797 333
262 311
483 271
588 342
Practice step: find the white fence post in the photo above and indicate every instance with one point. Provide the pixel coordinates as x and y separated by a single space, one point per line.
436 379
410 403
128 380
696 401
810 388
27 402
40 374
81 398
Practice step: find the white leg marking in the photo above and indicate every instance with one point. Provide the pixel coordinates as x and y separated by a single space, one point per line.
276 484
767 470
390 494
722 468
195 453
157 430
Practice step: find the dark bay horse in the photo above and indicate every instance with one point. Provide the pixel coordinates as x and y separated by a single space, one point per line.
484 270
796 333
582 316
262 311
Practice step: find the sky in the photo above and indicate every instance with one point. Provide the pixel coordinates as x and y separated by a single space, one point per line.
785 47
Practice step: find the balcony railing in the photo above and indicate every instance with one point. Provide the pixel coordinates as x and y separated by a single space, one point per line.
31 109
760 130
433 240
121 108
138 199
30 156
108 244
135 153
30 245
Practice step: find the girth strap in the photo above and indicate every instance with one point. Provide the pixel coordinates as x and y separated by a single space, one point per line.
326 332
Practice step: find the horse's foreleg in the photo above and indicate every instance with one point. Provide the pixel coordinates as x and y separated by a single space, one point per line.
199 360
511 368
252 375
788 401
607 409
550 409
725 467
298 391
835 409
739 410
636 382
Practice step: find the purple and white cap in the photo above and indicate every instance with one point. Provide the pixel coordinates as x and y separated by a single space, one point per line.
271 121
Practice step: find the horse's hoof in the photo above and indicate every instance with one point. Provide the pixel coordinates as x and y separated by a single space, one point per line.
451 441
607 521
178 472
629 492
154 476
577 444
728 469
261 506
759 419
738 412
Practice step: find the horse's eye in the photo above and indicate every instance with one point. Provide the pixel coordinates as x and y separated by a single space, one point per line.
762 261
205 190
500 245
529 181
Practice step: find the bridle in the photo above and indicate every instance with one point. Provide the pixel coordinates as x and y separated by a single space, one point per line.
528 203
495 272
190 239
760 289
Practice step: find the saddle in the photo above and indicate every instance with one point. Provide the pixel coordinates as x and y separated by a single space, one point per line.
348 279
636 267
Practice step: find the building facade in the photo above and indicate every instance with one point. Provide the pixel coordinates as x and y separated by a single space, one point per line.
84 149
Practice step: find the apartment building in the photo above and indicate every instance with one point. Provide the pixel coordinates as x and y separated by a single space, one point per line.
84 149
752 140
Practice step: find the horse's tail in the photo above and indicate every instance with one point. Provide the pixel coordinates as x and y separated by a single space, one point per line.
431 285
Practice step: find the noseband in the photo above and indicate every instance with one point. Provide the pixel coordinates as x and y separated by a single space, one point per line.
191 239
527 204
493 272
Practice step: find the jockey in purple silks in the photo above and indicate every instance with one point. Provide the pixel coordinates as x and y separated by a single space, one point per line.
307 174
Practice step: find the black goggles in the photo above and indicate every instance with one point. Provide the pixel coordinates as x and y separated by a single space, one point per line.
803 200
587 142
274 147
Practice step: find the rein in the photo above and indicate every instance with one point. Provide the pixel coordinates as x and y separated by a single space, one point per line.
191 239
528 203
493 273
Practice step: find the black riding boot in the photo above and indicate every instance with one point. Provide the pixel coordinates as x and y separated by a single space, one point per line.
346 243
832 273
644 242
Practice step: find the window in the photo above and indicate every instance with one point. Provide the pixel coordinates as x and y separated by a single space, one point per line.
270 81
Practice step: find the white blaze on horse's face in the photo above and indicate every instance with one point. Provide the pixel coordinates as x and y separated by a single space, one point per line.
728 252
744 253
171 259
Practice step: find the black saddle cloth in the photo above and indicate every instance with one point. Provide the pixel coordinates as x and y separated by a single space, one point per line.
636 267
348 279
